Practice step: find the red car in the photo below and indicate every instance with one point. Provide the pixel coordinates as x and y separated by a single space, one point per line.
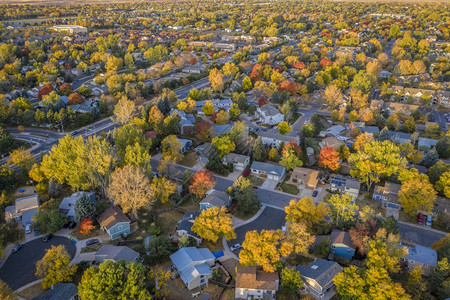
420 218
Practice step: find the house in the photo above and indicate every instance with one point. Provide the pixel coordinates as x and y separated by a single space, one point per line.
357 125
341 244
252 283
67 205
388 195
115 253
332 131
400 137
345 186
69 28
332 142
203 152
374 130
274 139
23 209
60 291
425 144
304 176
420 256
215 198
318 277
185 225
219 129
268 114
186 145
114 222
194 265
186 121
269 171
239 161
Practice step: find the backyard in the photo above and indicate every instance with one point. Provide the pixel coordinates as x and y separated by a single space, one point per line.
189 159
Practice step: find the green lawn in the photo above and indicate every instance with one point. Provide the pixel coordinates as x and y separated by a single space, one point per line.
92 248
191 204
294 118
289 188
244 216
256 180
189 159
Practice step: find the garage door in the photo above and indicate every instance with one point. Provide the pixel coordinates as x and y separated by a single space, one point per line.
273 177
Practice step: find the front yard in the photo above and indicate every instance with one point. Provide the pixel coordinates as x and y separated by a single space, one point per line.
289 188
255 180
189 159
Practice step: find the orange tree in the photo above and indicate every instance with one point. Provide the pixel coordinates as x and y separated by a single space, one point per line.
329 158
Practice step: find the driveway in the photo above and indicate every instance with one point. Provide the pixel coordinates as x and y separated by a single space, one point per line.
269 184
269 219
18 270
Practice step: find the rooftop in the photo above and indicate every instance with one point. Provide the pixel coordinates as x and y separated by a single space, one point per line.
320 270
252 278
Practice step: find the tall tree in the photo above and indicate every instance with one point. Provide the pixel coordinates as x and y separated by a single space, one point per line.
129 135
84 208
171 148
329 158
124 110
162 189
342 208
54 267
216 80
201 182
203 130
6 293
305 210
290 156
333 96
214 223
49 221
417 194
224 145
299 237
439 279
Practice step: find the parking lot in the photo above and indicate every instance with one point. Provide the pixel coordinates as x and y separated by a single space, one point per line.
18 270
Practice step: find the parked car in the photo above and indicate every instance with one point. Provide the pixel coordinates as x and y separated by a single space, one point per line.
235 247
429 219
306 122
72 225
314 194
420 218
66 225
74 133
17 248
92 242
28 228
48 237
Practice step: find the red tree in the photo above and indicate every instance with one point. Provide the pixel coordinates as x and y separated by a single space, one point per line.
299 65
86 226
291 87
75 98
193 61
262 101
329 158
325 62
201 182
45 90
202 131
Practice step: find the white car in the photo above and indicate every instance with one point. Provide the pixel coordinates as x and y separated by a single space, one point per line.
28 228
429 218
235 247
306 122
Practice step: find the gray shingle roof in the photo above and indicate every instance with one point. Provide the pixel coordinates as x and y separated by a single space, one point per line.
320 270
217 198
235 158
268 168
341 237
278 136
118 253
61 291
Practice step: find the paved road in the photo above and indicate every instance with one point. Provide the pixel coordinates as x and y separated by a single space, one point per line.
18 270
416 234
388 49
439 117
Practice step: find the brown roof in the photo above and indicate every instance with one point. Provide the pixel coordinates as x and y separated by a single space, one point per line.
341 237
309 176
111 216
251 278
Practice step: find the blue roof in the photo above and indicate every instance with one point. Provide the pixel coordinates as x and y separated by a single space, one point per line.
421 254
222 128
269 168
188 256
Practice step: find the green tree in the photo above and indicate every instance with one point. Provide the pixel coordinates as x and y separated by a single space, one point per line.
214 223
443 147
54 267
291 280
342 208
84 208
430 158
137 155
245 195
258 150
49 221
290 157
129 135
159 248
114 280
439 279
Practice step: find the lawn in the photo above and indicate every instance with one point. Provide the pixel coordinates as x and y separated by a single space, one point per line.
375 205
190 204
35 290
168 220
244 216
289 188
92 248
294 118
76 234
189 159
256 180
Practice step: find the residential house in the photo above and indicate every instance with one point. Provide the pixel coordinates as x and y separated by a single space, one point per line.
215 198
203 152
374 130
357 125
194 69
345 186
400 137
400 108
268 114
186 121
219 129
67 205
376 105
341 244
425 144
186 145
269 171
420 256
318 277
388 195
274 139
252 283
304 176
194 265
332 131
239 161
115 253
185 224
332 142
23 209
60 291
114 222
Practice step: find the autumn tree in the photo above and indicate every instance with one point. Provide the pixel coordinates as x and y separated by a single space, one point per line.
203 130
417 194
214 223
342 208
290 156
162 189
114 280
161 277
171 149
222 117
44 91
216 80
224 145
201 182
439 279
244 193
361 233
264 249
208 108
333 96
299 237
75 98
124 110
130 188
54 267
155 119
137 155
291 280
305 210
6 293
86 226
284 128
329 158
22 159
130 135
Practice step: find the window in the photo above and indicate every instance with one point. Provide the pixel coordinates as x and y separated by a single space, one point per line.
120 227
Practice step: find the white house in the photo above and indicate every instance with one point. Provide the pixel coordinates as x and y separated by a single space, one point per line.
274 172
23 209
268 114
345 186
274 139
255 284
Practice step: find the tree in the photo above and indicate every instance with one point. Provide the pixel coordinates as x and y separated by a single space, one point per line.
162 189
415 284
214 223
159 248
432 131
22 159
344 152
376 159
86 226
264 249
443 184
247 84
75 98
245 195
374 68
284 127
84 208
224 145
124 110
299 237
216 80
130 135
203 130
201 182
44 91
222 117
49 221
234 112
439 279
305 210
137 155
161 277
208 108
329 158
362 82
54 267
290 156
130 188
6 293
333 96
361 233
342 208
394 31
114 280
273 154
417 194
291 280
171 149
443 147
430 158
155 119
258 150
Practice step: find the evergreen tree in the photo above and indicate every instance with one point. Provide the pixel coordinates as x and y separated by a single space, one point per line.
214 162
384 135
164 106
258 150
443 147
84 208
430 158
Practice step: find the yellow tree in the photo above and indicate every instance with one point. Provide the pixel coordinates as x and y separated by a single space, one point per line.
161 277
299 237
208 108
162 189
333 96
284 127
171 149
264 249
54 267
216 80
417 194
22 159
224 145
124 110
214 223
222 117
305 210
